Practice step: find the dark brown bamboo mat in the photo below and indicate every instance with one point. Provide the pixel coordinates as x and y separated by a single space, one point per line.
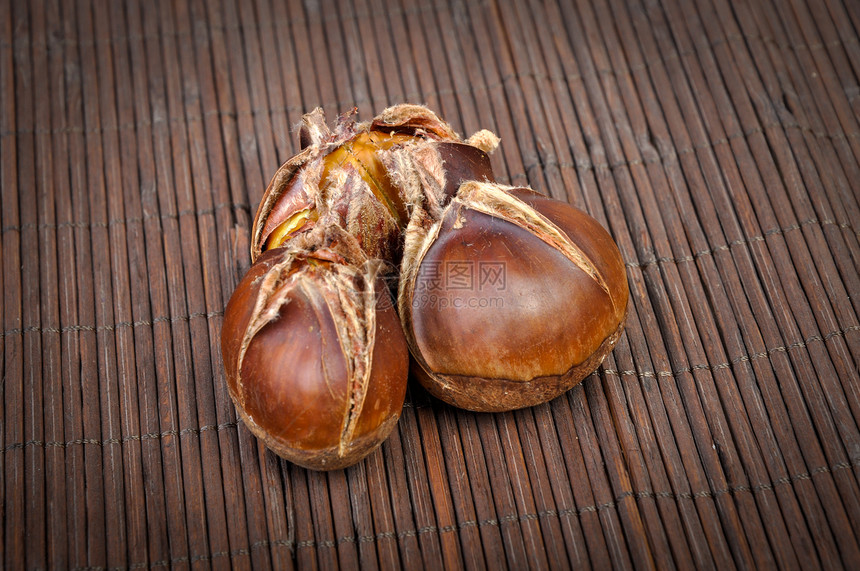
718 141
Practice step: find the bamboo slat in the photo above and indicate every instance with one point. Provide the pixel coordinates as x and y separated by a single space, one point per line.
717 140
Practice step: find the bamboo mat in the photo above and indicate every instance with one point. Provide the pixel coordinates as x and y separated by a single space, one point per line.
718 142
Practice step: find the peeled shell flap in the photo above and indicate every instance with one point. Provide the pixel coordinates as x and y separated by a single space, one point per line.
492 199
321 140
350 295
414 119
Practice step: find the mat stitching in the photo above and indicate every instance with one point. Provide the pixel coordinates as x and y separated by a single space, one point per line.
130 438
118 325
133 437
623 70
729 364
272 23
640 374
510 518
586 164
130 220
276 23
195 558
665 259
137 123
741 241
672 154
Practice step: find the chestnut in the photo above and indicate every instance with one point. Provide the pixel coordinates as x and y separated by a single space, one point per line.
505 298
341 171
510 298
315 356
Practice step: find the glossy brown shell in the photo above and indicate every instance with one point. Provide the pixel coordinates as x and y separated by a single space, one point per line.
500 319
291 378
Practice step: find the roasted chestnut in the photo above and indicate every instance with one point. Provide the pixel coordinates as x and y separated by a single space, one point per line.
510 298
505 298
341 172
315 357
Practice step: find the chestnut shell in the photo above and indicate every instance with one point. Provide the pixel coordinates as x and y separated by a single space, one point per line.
291 381
499 319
